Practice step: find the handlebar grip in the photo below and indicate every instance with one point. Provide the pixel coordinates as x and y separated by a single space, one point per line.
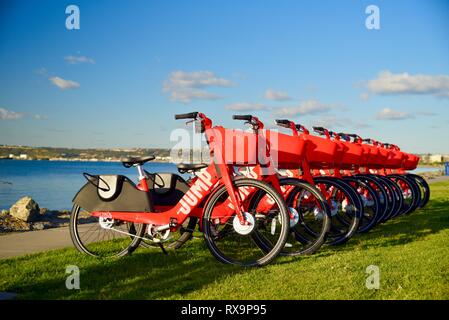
283 123
367 140
353 135
344 136
319 130
191 115
246 117
300 127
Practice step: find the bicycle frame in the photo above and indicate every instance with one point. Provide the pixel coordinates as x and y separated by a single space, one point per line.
190 204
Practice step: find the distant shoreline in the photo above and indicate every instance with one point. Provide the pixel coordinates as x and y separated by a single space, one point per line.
76 160
422 166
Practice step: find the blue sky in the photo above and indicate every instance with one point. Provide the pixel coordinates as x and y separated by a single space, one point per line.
120 78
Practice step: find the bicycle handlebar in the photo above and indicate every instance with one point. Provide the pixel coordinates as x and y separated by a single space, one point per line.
353 135
191 115
320 130
301 128
283 123
246 117
344 136
369 140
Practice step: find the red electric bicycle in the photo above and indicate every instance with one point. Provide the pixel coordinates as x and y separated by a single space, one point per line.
402 190
310 215
121 214
319 154
309 211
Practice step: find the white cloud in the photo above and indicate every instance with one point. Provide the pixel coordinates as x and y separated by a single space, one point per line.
187 95
404 83
246 106
271 94
333 122
184 86
10 115
364 96
390 114
64 84
196 79
426 113
305 107
42 72
78 59
40 117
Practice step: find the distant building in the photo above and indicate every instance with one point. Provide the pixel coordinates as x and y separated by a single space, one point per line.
23 156
435 158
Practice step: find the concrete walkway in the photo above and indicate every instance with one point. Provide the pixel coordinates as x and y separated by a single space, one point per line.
20 243
437 179
17 244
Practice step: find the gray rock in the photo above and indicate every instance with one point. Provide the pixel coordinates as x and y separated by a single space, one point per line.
26 209
38 226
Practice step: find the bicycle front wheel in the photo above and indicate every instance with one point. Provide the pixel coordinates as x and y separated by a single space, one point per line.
423 187
310 218
233 243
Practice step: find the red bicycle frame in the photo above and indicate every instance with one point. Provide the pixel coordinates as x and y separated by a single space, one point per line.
200 189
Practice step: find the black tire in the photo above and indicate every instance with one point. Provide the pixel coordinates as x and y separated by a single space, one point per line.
423 186
241 249
395 197
310 233
382 195
372 208
119 246
410 194
345 222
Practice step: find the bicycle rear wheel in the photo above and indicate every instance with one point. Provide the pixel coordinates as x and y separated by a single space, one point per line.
103 237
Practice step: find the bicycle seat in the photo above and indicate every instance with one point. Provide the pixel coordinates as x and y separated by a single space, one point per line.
130 161
186 167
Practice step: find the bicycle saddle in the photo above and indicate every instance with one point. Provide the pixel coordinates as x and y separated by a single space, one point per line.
130 161
186 167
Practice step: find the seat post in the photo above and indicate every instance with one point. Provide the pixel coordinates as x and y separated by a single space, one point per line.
143 185
142 175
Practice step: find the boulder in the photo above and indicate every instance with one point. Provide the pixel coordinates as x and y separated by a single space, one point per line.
38 226
26 209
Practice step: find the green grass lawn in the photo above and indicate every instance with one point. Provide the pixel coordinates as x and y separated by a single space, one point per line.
412 253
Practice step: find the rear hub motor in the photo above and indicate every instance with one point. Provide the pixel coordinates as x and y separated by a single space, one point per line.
106 222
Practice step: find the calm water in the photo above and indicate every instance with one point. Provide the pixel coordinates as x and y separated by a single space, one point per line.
54 183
